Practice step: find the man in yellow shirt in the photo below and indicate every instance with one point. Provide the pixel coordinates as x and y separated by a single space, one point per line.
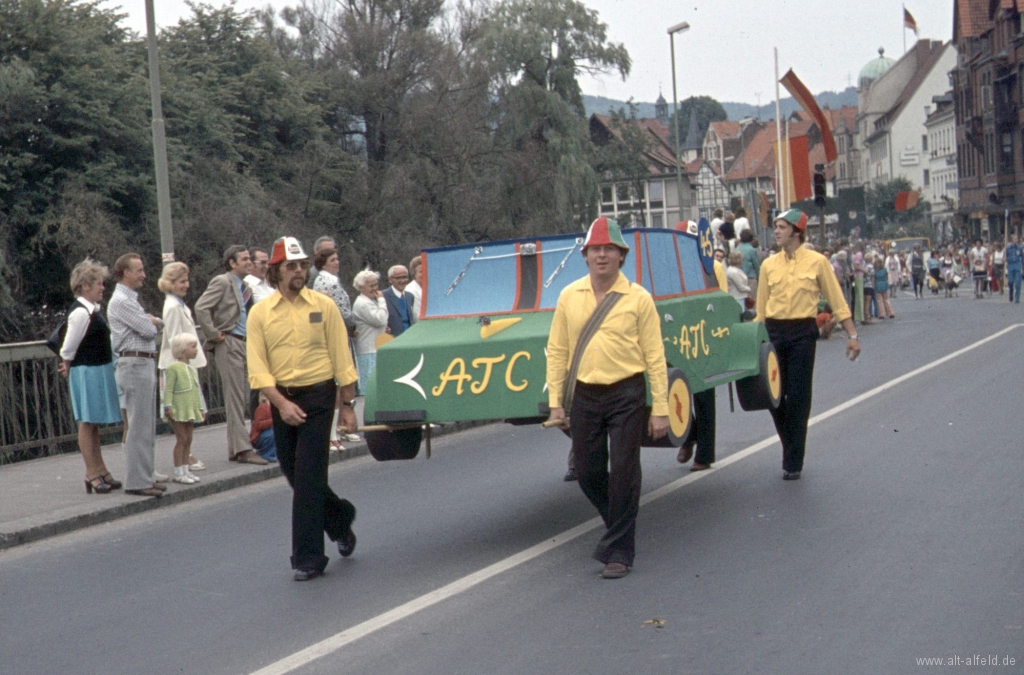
604 389
788 291
298 356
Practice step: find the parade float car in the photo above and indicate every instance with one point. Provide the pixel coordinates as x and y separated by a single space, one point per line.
477 351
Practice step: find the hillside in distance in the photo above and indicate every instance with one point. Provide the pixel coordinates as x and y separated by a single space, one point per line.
735 111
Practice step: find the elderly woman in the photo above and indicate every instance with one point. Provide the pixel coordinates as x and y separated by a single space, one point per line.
329 284
177 320
87 362
371 316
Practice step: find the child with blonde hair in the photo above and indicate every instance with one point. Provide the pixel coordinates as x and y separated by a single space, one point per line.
183 402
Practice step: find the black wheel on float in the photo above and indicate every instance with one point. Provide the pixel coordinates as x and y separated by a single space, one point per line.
680 412
390 445
764 390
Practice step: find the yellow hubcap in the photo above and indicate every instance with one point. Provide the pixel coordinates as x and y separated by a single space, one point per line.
678 407
774 376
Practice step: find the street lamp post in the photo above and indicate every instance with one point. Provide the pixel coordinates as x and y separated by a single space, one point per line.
163 191
678 28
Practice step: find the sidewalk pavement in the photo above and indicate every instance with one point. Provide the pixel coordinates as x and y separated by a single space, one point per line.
45 497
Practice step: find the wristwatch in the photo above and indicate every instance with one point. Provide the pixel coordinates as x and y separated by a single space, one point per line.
854 337
349 404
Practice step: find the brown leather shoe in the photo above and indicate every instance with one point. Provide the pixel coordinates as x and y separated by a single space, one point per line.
685 452
614 571
700 467
146 492
249 457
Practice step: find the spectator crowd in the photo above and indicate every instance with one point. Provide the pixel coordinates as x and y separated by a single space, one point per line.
128 365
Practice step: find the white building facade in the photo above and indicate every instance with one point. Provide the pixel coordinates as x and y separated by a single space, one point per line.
892 110
939 177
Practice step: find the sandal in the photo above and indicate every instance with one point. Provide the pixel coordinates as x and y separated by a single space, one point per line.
197 465
114 484
102 487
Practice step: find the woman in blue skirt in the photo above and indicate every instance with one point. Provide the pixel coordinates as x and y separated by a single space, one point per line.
87 362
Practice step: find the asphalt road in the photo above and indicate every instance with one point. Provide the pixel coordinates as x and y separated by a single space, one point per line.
903 541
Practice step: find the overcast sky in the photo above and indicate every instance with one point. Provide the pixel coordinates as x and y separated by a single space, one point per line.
727 53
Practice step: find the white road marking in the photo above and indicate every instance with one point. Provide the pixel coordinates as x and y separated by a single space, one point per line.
350 635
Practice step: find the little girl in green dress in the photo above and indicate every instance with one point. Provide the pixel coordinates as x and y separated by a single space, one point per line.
183 402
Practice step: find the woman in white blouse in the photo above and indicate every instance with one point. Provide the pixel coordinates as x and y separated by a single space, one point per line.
87 362
177 320
739 286
371 315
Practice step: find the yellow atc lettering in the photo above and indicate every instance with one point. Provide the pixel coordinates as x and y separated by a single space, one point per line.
459 376
508 372
456 372
488 363
692 340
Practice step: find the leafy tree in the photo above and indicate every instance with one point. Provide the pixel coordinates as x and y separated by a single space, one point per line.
708 110
73 136
536 51
881 207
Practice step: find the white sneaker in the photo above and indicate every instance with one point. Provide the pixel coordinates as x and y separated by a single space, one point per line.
184 479
160 477
195 478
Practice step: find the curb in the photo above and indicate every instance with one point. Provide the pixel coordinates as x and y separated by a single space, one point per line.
37 528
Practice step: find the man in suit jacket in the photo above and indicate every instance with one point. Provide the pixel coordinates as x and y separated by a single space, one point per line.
401 305
221 313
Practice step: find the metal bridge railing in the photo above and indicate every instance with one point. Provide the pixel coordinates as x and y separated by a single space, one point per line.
35 404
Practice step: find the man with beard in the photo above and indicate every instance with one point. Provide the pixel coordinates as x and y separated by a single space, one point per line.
298 357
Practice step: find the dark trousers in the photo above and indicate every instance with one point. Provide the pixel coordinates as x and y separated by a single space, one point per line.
918 278
795 343
607 422
703 431
302 453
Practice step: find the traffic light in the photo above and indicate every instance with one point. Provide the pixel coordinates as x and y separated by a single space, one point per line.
819 188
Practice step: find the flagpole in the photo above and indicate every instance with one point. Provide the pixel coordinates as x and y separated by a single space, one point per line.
779 181
904 19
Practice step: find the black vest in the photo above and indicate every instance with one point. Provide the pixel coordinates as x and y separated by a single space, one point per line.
94 350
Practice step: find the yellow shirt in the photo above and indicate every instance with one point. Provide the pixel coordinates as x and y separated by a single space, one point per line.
298 343
721 277
789 287
628 342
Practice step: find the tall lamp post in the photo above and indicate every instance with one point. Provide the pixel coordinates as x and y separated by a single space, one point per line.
678 28
163 191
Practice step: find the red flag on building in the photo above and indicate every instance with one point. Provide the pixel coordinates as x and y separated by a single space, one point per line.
908 21
803 96
906 200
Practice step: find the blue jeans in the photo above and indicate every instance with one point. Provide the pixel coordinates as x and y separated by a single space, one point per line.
265 446
1013 281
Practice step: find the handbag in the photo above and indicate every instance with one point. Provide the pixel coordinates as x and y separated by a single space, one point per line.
56 339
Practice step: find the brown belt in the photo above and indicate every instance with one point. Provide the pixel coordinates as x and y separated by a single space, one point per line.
140 355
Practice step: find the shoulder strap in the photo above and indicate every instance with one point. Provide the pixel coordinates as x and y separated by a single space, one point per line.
589 331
